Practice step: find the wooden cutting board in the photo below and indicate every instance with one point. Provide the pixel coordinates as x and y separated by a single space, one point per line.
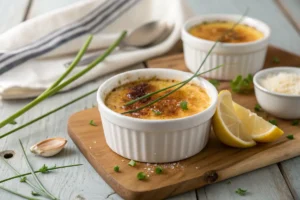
215 163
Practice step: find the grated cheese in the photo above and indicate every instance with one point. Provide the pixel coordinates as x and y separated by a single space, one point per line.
283 82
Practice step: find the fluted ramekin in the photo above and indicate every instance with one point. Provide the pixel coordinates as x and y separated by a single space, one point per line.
155 141
237 58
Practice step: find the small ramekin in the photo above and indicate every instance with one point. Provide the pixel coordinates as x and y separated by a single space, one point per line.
280 105
237 58
155 141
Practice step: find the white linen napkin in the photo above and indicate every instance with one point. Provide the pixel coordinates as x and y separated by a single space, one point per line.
32 54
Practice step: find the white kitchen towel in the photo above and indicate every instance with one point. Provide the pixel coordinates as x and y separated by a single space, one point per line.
32 54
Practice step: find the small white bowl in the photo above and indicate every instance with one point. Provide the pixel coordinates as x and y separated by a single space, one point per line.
155 141
284 106
238 58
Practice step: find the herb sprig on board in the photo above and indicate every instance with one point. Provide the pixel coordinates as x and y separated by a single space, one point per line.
242 85
183 83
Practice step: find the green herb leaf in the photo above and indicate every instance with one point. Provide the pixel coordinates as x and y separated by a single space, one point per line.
295 122
257 108
12 122
141 176
242 85
132 163
291 137
241 192
215 82
23 179
156 112
116 168
184 105
273 121
33 193
44 169
158 170
92 123
228 182
275 60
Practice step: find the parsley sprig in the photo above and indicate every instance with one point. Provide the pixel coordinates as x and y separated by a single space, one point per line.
242 85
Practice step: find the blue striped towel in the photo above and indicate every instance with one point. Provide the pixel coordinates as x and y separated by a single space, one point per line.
32 54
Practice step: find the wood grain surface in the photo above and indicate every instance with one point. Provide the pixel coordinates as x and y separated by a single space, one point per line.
215 163
275 182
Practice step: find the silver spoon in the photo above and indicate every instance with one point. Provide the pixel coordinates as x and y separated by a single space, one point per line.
145 36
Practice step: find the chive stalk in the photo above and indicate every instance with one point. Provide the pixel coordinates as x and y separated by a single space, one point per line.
183 83
65 83
48 113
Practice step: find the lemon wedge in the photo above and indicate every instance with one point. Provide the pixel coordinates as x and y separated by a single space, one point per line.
237 126
259 129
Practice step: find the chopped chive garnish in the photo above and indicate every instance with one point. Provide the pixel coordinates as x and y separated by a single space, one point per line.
116 168
158 170
92 123
13 122
184 105
257 108
141 176
228 182
295 122
241 192
291 137
273 121
156 112
132 163
215 82
276 60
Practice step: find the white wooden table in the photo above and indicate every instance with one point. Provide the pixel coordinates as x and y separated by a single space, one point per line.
276 182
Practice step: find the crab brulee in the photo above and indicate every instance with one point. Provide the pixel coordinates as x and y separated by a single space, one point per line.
186 101
214 30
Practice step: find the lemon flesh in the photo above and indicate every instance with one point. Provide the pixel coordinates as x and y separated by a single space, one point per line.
237 126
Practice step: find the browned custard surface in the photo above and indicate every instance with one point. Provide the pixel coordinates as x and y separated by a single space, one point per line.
214 30
167 108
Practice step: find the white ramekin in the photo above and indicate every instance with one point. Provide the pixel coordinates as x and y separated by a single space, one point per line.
238 58
155 141
280 105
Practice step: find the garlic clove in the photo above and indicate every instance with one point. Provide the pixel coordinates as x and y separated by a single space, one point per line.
49 147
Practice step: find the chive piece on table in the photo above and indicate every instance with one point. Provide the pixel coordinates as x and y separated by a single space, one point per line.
132 163
116 168
241 192
273 121
291 137
158 170
141 176
92 123
257 108
295 122
275 60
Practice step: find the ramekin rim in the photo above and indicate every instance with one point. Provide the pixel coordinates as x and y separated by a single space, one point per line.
256 42
273 69
207 110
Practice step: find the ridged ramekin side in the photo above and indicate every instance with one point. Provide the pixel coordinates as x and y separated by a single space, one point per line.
233 64
148 147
